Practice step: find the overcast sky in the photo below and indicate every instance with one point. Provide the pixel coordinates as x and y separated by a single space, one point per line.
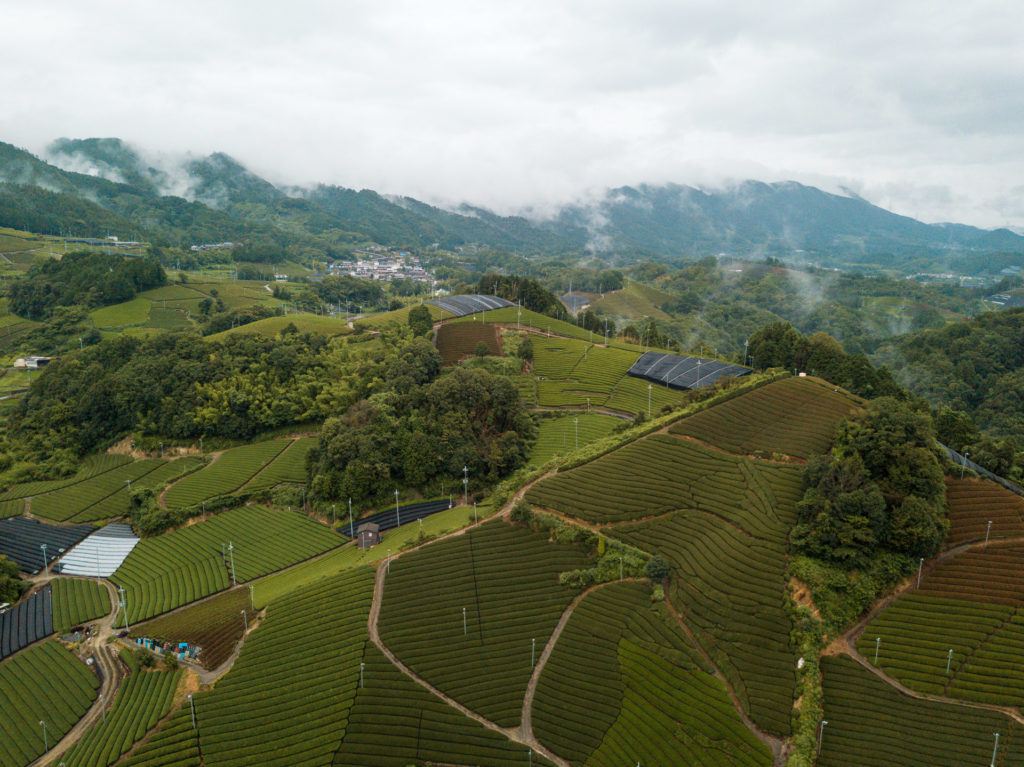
918 106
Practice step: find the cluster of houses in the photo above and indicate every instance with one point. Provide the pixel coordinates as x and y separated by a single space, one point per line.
378 263
211 246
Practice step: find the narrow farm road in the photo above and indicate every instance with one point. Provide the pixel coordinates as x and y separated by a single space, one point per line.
112 672
777 745
161 499
846 644
526 720
513 734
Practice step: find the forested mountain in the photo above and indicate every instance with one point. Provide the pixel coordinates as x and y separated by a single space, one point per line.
217 198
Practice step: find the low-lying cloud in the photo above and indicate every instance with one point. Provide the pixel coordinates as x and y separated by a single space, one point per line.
536 103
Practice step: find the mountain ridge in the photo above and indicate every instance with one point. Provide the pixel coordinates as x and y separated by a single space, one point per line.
662 221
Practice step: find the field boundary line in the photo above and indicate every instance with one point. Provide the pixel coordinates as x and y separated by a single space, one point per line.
775 744
526 717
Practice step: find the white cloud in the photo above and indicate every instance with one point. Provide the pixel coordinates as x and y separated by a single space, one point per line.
534 103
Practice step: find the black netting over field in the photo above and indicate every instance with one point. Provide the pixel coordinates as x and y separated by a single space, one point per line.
389 519
29 622
22 539
683 372
460 306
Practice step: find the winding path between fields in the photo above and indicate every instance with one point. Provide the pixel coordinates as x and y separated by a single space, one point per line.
775 744
111 671
515 734
846 644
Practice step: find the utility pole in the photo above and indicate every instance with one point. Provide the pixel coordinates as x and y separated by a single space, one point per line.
192 705
649 387
995 750
920 567
533 653
988 531
351 524
245 621
231 553
124 606
362 668
252 597
46 740
878 643
398 513
949 660
821 733
963 464
46 562
465 485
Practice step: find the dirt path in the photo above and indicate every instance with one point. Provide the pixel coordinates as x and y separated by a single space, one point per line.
777 745
526 719
514 734
111 671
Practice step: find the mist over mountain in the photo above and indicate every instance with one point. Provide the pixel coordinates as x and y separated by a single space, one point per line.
93 186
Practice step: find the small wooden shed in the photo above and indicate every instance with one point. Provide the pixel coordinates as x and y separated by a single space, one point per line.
368 534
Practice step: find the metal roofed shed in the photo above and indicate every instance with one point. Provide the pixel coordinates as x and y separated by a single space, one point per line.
368 534
679 372
99 555
463 305
22 540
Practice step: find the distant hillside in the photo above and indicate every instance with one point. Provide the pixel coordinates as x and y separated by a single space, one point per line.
193 199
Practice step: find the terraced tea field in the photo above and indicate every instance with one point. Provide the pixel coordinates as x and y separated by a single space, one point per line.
872 725
395 722
192 562
973 605
558 436
722 522
214 625
541 323
304 322
506 578
76 601
973 503
293 686
793 417
106 495
44 683
288 467
623 685
226 474
143 699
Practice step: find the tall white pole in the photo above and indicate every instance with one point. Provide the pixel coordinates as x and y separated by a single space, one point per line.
995 749
821 733
649 387
192 705
949 660
231 551
963 464
124 606
351 524
465 485
398 513
920 567
362 668
533 652
464 629
988 531
46 740
878 643
46 564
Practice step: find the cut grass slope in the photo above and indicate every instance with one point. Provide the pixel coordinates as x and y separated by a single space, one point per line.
506 578
455 341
